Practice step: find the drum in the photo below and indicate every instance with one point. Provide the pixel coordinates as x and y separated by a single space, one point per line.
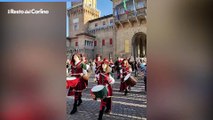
100 91
72 82
130 80
111 80
85 77
112 66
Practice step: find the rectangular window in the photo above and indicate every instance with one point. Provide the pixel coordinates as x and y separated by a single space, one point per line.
111 21
92 43
75 24
140 4
75 27
95 43
103 42
76 43
130 7
96 24
104 23
122 11
110 41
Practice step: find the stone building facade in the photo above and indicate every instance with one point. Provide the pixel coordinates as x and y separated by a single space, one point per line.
103 29
122 33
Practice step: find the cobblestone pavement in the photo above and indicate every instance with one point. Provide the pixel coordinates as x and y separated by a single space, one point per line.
130 107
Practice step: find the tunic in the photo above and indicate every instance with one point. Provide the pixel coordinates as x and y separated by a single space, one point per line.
124 72
98 66
80 67
104 79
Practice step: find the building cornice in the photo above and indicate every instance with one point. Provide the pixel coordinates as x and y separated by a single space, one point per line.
70 38
100 18
87 34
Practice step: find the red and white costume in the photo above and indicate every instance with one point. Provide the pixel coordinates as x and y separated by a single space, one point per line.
77 70
124 71
97 68
105 78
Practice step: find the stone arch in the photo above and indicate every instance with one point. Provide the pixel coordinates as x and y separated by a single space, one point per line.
139 44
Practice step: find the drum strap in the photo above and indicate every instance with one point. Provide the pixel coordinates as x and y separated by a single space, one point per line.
103 76
75 67
102 79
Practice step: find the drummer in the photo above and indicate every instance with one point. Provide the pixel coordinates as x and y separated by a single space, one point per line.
118 66
125 70
111 64
85 61
105 79
98 66
78 69
67 67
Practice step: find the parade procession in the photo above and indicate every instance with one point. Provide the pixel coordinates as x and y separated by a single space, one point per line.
104 73
106 76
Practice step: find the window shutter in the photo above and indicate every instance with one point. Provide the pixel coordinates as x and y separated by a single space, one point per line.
95 43
103 42
110 41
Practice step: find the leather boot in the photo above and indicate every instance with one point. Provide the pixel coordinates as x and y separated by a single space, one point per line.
101 112
125 92
79 102
108 106
74 110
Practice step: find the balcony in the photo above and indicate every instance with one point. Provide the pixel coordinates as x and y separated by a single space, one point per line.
139 14
89 47
103 27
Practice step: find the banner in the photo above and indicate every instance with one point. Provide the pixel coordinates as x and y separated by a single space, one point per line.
126 46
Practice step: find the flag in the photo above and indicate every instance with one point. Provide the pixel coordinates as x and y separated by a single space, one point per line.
124 1
134 8
116 13
125 8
